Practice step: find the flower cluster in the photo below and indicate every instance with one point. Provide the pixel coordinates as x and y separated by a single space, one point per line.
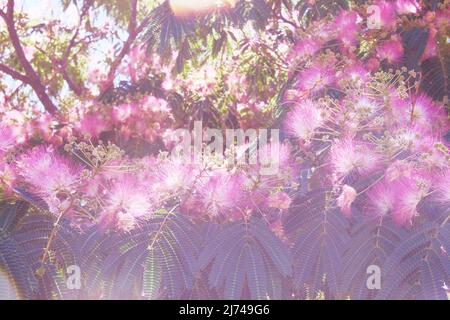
370 134
377 142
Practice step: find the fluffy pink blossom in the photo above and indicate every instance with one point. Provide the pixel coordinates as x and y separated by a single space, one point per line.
174 176
409 194
154 104
345 200
382 198
302 121
122 112
306 47
126 202
347 25
315 79
355 72
365 104
424 112
48 174
348 155
221 196
392 51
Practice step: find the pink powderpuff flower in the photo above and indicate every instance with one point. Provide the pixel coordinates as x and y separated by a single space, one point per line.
315 79
434 154
347 25
418 112
410 191
373 64
345 200
306 47
382 198
126 202
157 105
48 174
279 200
407 6
122 112
221 195
303 120
174 176
366 105
355 72
348 155
392 51
424 111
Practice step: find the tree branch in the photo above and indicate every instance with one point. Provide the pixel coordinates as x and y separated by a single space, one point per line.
133 32
13 73
33 78
78 89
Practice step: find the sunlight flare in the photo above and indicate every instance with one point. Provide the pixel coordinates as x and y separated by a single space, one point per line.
192 7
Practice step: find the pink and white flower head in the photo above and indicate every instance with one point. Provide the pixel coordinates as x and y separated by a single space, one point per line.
419 112
347 26
48 174
391 51
122 112
127 201
345 200
221 195
382 198
366 106
410 191
348 155
303 120
174 176
154 104
315 79
306 47
355 72
425 112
